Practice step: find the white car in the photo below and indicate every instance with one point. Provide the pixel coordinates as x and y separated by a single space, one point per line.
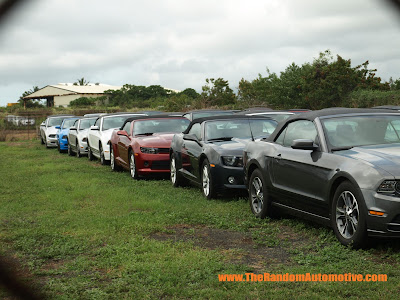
77 136
48 130
100 134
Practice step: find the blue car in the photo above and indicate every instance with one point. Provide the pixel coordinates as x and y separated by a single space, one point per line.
62 134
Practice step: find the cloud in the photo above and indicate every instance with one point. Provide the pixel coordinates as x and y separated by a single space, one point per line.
178 44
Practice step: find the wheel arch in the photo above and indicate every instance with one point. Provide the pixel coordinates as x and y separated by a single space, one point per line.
338 180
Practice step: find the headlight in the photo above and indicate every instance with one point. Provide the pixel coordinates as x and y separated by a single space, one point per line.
149 150
389 187
233 161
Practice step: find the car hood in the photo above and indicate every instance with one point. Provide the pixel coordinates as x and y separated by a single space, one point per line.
386 157
233 147
160 140
51 130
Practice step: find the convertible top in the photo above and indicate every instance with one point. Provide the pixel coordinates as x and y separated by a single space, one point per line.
225 117
326 112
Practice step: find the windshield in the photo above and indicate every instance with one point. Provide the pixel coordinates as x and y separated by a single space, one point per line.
243 129
55 121
160 125
115 121
86 123
198 115
68 123
347 132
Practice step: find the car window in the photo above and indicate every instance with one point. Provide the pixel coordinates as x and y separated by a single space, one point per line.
127 127
68 123
55 121
196 130
302 129
114 122
187 116
86 123
281 137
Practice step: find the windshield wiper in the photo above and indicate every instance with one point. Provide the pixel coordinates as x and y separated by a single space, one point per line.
225 138
146 133
342 148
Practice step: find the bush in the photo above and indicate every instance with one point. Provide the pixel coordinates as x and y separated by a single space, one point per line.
371 98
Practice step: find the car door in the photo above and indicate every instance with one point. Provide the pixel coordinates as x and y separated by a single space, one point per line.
191 151
123 144
72 135
94 138
300 176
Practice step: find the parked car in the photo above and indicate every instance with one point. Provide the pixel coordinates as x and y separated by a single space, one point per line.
142 144
48 130
62 133
337 166
209 153
203 113
77 136
99 135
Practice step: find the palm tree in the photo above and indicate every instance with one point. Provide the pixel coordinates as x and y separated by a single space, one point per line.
81 81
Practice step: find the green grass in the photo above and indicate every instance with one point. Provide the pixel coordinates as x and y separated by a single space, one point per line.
84 232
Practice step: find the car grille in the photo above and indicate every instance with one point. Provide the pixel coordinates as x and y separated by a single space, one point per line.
160 165
163 150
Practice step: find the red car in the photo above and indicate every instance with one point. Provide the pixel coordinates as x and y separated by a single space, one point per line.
142 144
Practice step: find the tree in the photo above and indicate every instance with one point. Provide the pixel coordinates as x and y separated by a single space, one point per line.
217 92
29 103
81 81
190 93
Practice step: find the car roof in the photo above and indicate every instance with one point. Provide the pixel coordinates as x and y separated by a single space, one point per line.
326 112
152 117
394 107
225 117
208 110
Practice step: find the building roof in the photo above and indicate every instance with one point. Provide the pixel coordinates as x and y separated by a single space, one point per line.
70 89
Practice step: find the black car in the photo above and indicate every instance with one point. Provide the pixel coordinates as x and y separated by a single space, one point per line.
209 153
337 166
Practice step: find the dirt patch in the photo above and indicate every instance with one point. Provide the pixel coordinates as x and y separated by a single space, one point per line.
237 247
18 135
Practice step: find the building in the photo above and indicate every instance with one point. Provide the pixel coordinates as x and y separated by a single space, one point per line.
63 93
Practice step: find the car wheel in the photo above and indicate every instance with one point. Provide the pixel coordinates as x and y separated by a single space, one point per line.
102 157
206 180
132 166
70 153
176 177
113 163
348 215
58 147
90 153
41 141
258 195
78 150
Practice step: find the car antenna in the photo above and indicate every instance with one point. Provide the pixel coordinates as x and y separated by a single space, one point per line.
251 132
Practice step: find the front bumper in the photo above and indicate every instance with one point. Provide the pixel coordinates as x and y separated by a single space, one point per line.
152 163
83 148
387 225
51 141
63 144
220 174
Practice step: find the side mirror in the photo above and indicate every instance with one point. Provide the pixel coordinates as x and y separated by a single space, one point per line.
58 127
94 127
304 144
122 132
73 128
190 137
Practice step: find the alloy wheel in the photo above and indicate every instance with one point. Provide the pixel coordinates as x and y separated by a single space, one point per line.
206 181
347 214
257 195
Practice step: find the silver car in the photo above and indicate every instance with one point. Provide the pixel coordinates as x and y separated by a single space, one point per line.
77 136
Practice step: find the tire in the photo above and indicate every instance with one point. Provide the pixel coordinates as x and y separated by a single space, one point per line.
176 178
114 166
90 154
41 140
70 153
45 141
102 158
132 166
260 204
58 148
206 181
348 216
78 150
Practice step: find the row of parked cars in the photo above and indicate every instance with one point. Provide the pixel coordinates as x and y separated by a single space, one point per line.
337 166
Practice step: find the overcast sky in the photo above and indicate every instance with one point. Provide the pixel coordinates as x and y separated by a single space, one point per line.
179 43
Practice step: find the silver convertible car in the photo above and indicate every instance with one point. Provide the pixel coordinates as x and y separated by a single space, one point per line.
337 166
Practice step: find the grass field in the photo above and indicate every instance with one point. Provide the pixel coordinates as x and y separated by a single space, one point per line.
75 230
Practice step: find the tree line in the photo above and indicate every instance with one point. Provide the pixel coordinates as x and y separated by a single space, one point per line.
326 82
